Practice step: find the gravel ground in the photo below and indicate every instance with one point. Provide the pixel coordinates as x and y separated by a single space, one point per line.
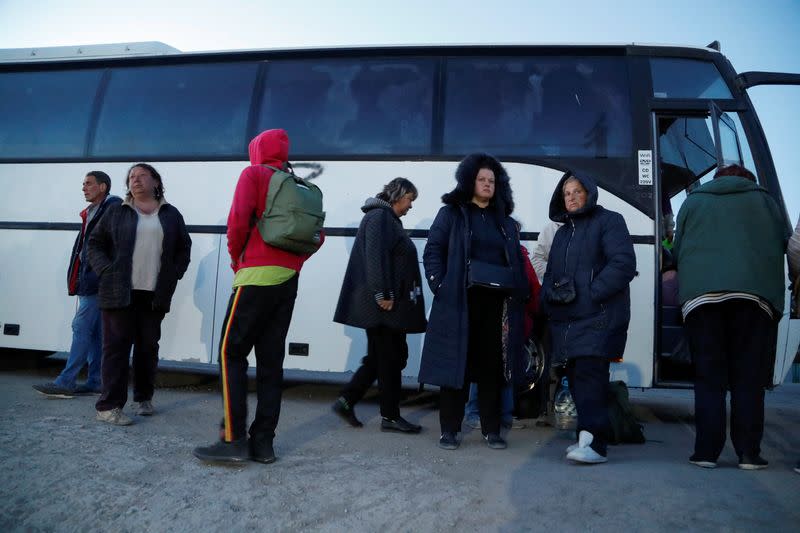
64 471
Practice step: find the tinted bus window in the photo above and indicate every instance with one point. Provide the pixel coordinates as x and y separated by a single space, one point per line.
46 114
687 78
548 106
190 110
345 106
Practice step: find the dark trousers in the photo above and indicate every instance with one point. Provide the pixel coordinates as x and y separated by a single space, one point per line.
139 326
257 317
484 365
588 383
730 343
387 354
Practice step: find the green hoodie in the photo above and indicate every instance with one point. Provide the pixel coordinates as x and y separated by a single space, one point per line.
731 237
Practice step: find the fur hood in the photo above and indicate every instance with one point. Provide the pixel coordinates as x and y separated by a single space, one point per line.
503 201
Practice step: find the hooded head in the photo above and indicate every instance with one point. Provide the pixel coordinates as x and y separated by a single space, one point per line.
558 208
467 171
269 147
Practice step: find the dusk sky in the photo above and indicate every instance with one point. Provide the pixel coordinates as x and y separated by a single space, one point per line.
754 35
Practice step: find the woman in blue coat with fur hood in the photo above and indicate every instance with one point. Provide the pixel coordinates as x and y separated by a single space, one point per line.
586 297
475 329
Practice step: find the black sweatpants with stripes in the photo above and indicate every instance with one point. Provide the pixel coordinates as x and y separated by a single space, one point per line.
257 317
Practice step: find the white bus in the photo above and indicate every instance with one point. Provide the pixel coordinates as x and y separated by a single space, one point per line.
647 122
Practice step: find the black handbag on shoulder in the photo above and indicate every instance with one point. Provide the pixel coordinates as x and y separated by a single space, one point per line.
490 276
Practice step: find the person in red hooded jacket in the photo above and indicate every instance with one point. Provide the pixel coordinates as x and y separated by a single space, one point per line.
259 313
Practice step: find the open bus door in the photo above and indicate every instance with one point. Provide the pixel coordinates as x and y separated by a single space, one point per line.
691 147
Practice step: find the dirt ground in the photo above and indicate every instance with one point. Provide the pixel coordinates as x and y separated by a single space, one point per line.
64 471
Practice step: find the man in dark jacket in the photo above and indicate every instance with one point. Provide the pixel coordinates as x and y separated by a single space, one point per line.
730 252
259 312
82 281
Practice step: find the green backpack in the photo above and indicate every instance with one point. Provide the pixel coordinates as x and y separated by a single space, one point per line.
624 426
293 215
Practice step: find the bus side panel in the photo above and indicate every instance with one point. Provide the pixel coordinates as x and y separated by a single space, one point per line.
187 333
788 339
33 289
636 368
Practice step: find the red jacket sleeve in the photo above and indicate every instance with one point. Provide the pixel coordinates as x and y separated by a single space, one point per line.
242 214
532 307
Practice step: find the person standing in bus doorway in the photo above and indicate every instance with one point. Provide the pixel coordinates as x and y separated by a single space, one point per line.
586 296
140 249
86 344
259 312
382 293
474 267
729 249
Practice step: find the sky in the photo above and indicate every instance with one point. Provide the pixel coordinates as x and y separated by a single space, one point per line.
754 35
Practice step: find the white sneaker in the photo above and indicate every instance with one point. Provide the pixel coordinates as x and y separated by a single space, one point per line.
584 453
572 447
114 416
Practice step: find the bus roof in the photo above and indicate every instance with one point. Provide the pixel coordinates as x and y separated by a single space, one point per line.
156 48
88 51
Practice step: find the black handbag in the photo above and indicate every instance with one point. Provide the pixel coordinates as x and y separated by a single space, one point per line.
562 292
490 276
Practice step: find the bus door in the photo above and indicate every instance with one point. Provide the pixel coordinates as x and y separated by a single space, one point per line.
686 157
691 146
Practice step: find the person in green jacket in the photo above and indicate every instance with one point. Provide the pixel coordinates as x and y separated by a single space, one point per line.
730 251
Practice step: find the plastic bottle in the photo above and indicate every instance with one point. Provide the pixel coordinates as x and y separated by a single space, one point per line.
566 415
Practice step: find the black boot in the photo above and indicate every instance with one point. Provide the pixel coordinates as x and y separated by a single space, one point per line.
345 411
261 450
399 424
224 452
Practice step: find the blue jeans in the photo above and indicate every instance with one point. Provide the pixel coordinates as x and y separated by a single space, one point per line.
86 345
506 396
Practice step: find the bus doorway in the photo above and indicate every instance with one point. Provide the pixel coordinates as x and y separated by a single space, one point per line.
691 147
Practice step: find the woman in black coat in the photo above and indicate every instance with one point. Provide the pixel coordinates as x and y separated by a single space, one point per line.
475 332
140 249
382 294
586 297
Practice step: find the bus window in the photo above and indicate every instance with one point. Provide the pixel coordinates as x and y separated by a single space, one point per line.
542 106
687 78
344 106
190 110
29 101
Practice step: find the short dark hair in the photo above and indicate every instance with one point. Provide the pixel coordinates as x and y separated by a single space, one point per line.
101 178
396 189
158 193
735 170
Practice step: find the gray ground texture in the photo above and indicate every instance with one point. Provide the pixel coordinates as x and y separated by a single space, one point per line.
64 471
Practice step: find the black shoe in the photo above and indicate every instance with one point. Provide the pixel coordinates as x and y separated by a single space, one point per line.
747 462
399 424
224 452
83 390
495 441
346 412
448 441
702 463
51 390
261 451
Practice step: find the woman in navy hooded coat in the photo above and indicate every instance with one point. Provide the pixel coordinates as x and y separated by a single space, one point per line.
594 252
474 334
